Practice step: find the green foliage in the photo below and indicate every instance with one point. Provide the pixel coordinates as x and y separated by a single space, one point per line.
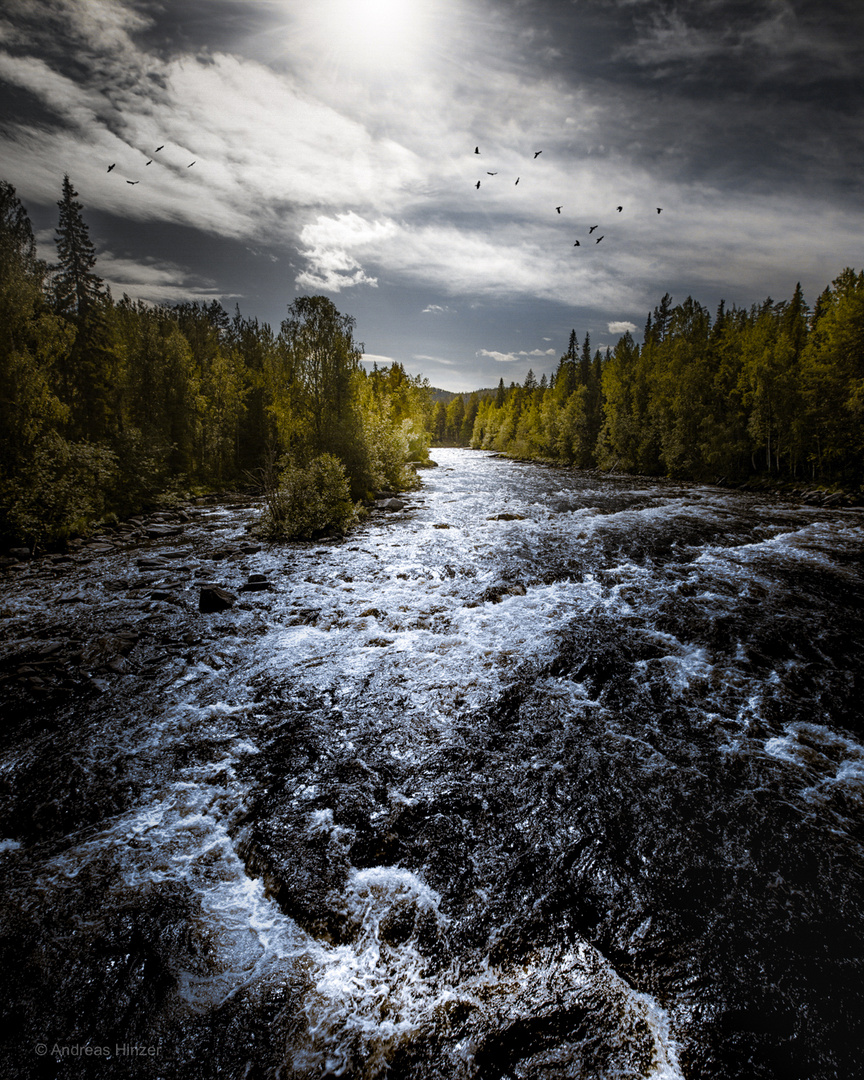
105 407
309 502
775 389
59 491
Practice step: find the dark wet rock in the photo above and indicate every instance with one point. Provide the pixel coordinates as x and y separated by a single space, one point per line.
256 583
494 594
380 642
8 561
442 525
20 554
389 504
373 612
151 562
305 873
51 647
100 548
218 554
506 516
213 598
306 617
157 532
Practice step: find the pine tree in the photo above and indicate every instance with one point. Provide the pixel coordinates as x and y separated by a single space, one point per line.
87 379
76 288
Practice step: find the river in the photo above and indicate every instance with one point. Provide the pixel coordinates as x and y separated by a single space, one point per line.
546 775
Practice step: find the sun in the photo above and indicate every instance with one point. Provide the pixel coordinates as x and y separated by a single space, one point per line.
383 34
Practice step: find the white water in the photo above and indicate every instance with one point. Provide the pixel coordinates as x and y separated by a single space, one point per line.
404 636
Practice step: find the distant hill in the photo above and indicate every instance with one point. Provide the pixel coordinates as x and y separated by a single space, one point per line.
447 395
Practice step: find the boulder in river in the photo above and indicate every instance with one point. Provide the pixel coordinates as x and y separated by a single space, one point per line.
157 532
256 583
389 504
214 598
496 593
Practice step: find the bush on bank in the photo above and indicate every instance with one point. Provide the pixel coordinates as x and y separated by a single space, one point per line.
310 502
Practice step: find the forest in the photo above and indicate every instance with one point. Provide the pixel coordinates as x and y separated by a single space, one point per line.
776 390
107 407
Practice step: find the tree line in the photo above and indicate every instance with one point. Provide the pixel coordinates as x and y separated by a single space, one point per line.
776 389
106 406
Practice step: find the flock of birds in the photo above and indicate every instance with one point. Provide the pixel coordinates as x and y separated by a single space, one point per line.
558 209
150 162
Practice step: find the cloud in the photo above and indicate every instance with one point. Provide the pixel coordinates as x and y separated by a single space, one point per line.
499 357
332 267
156 282
422 358
621 327
304 145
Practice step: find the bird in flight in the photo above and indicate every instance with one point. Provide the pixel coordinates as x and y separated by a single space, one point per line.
476 149
537 154
659 209
599 238
518 178
110 167
477 185
593 227
620 208
133 181
577 244
191 163
491 173
158 148
150 162
558 208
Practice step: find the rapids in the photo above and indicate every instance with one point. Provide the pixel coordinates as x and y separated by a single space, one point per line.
547 775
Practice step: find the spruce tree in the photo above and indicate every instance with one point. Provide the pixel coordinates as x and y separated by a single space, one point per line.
76 288
79 296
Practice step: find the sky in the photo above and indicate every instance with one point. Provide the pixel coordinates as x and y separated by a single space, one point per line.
334 143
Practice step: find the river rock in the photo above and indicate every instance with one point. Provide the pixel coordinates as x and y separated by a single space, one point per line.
389 504
506 516
256 583
496 593
156 562
20 554
218 554
156 532
213 598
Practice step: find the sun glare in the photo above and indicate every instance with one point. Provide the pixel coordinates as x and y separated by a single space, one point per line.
362 33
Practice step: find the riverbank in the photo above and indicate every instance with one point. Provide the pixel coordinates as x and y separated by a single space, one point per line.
792 490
